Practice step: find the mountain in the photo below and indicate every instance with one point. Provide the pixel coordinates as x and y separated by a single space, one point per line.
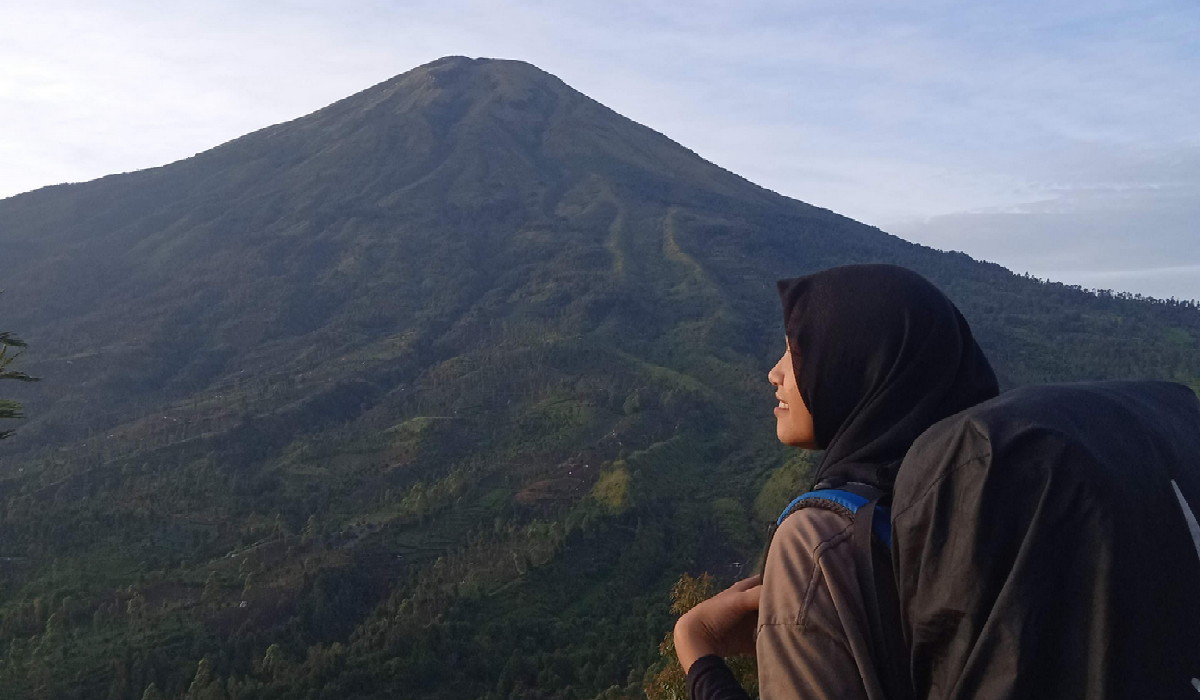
435 391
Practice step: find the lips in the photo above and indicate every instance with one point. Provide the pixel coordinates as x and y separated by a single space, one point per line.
782 403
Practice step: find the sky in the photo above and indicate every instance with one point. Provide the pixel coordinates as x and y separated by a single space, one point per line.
1057 138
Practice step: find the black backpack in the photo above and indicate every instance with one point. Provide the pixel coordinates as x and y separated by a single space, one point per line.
1043 544
1046 546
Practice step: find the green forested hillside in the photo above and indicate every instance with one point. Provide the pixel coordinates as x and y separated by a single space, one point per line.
432 393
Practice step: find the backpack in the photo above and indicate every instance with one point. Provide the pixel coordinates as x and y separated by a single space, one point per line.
1043 544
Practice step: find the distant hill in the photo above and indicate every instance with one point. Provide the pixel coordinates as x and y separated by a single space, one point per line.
433 392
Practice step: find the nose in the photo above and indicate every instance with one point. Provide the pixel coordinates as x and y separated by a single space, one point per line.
775 376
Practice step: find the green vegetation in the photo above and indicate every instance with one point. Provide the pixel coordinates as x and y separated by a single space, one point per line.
783 485
612 487
433 393
666 680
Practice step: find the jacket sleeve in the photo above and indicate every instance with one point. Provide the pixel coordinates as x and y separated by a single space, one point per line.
813 640
710 679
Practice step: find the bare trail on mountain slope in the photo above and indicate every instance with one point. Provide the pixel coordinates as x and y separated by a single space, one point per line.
617 233
697 279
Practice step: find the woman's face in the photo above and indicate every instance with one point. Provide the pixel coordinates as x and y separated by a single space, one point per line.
793 422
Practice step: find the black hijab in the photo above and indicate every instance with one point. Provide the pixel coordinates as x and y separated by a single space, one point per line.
880 355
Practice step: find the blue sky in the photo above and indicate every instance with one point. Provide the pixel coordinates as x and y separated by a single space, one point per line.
1057 138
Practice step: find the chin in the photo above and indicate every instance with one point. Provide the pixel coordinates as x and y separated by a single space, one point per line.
789 440
803 442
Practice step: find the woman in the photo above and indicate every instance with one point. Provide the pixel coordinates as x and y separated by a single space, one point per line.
875 355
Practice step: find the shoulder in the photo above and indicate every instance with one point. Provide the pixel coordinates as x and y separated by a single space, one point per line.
815 530
808 558
810 565
807 543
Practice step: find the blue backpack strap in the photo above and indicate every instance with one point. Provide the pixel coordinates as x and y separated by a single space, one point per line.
845 502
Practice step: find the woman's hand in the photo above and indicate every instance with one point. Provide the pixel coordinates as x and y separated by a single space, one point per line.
723 625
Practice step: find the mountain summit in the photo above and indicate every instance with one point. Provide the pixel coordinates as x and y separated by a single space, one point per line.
407 203
433 392
503 127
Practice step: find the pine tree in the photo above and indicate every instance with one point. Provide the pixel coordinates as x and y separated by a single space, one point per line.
202 679
206 685
312 529
119 688
274 661
212 590
8 354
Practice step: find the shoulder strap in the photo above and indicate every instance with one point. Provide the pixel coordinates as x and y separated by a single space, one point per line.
846 501
878 583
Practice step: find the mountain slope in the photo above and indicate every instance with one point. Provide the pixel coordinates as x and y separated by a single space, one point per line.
435 390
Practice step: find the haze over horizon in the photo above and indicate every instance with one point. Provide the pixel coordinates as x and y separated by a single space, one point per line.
1053 140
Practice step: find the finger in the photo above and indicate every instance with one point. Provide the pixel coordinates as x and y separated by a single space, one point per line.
747 600
747 583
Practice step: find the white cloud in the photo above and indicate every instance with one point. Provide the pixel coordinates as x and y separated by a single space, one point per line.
961 115
1111 217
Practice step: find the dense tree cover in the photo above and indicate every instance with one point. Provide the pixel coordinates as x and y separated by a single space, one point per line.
433 393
